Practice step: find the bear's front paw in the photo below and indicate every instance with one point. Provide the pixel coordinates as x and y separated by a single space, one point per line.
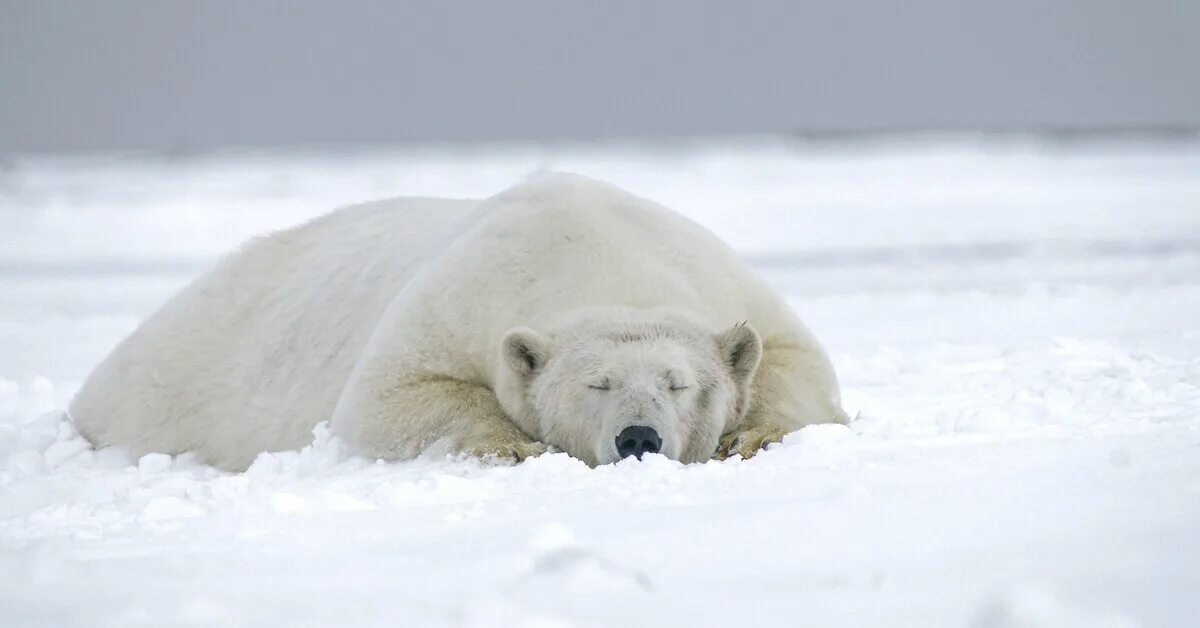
505 451
749 442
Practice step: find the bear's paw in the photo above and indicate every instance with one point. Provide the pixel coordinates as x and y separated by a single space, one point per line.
748 442
504 451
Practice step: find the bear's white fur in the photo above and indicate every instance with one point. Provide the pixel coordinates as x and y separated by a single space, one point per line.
555 313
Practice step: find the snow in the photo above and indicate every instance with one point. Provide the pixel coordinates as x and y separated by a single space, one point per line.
1016 325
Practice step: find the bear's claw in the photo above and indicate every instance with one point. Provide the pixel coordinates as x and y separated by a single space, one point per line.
506 451
748 442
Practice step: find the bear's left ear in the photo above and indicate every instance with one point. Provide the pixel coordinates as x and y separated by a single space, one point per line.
524 350
740 349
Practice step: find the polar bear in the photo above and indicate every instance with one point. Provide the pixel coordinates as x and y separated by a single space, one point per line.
562 313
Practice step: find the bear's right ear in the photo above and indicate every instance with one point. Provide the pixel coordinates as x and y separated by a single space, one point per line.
524 350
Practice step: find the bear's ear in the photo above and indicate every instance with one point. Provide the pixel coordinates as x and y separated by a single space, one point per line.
524 350
740 348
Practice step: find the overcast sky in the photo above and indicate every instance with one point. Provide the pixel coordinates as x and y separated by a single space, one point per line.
104 75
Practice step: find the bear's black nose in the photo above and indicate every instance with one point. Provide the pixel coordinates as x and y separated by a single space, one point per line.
636 440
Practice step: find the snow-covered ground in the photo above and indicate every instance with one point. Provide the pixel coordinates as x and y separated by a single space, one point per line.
1016 325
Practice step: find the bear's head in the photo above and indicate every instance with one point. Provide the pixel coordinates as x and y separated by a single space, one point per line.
602 390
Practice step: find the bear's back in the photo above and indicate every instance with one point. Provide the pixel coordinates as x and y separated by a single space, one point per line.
252 354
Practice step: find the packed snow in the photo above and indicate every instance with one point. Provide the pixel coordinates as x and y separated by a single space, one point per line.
1016 325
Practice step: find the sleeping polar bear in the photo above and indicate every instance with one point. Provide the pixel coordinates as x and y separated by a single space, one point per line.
562 313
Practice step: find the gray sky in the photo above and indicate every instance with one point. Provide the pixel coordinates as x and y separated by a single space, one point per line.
103 75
